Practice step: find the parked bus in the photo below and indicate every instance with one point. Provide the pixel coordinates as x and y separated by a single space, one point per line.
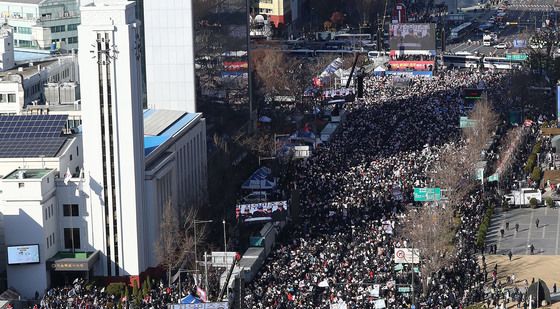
460 31
352 37
501 63
461 61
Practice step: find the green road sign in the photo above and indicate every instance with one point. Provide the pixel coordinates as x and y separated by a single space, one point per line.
427 194
493 177
403 289
465 122
520 57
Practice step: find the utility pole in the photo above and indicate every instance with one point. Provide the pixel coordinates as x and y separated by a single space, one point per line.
206 273
412 284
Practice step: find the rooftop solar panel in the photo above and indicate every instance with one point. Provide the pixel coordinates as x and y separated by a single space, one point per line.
31 147
32 126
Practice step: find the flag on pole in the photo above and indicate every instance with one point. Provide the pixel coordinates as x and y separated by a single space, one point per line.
80 187
493 177
201 294
67 176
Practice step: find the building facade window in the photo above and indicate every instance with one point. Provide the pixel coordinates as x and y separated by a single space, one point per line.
70 210
72 27
11 98
57 29
73 40
22 30
24 43
72 238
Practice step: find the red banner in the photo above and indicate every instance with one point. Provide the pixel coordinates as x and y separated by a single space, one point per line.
412 65
235 65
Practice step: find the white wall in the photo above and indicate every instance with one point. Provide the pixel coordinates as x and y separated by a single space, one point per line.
11 87
168 33
29 217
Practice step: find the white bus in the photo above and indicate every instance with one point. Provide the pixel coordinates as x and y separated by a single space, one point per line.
461 61
460 31
501 63
353 37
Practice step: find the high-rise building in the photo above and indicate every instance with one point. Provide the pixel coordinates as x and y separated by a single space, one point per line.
42 23
276 11
110 67
168 33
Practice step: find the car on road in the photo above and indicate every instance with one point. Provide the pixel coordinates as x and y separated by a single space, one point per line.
501 46
463 53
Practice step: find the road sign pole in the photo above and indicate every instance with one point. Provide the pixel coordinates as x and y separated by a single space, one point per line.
412 284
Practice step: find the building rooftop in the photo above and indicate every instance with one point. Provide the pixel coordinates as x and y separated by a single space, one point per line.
28 173
161 125
32 136
30 55
24 1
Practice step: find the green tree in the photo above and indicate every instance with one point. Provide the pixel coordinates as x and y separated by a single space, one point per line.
145 290
149 280
533 202
536 174
549 202
126 293
135 289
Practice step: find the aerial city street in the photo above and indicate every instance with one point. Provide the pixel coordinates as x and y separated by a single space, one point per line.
280 154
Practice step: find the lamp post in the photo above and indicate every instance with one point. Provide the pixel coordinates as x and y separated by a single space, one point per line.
195 222
225 241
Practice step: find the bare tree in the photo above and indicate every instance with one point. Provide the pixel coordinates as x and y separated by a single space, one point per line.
176 240
431 231
270 67
169 253
261 144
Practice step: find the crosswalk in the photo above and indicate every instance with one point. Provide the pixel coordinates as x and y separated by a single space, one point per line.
531 6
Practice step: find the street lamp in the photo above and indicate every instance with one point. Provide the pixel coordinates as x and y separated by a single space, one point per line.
195 241
225 241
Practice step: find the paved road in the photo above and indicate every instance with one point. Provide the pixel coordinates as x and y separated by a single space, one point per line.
528 14
545 238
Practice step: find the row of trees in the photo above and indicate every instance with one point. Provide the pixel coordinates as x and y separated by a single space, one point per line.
432 229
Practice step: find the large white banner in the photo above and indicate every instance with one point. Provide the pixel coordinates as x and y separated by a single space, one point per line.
220 305
406 256
380 304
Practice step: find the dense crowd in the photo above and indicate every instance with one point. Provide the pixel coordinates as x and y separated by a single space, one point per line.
354 191
80 295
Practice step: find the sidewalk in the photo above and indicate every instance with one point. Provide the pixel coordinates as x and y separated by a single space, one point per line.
528 267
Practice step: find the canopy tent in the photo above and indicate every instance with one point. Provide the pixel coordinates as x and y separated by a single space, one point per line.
190 299
379 71
265 119
261 179
539 292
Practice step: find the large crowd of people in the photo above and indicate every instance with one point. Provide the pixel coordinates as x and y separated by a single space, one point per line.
354 192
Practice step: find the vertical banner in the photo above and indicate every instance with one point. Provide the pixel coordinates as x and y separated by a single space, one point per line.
558 103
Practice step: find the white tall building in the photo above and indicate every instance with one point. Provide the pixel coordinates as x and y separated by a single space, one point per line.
6 48
168 39
114 160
